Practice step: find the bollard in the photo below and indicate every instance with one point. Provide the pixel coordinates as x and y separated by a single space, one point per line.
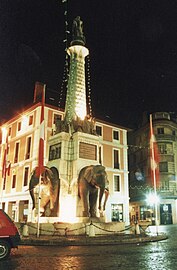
25 230
137 228
91 230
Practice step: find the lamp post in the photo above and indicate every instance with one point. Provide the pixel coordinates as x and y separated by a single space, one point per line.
153 200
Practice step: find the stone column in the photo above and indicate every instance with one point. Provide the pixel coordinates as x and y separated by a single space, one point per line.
76 91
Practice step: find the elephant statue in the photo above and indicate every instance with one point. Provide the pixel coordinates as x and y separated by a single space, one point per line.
49 191
92 179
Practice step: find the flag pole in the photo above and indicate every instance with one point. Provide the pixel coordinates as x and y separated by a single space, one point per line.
39 203
4 166
3 179
40 168
154 175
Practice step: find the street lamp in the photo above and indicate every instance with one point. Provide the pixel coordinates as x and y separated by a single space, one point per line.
153 199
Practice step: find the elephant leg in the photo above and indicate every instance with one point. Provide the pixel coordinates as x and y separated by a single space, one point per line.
84 195
85 200
93 202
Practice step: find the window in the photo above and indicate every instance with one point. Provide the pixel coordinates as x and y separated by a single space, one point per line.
19 126
87 151
28 148
116 183
160 130
14 181
56 117
25 181
165 148
117 212
116 159
4 183
99 130
100 155
164 185
9 132
30 120
163 167
162 148
55 151
116 135
16 152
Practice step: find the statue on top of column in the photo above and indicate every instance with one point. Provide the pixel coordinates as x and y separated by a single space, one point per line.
77 32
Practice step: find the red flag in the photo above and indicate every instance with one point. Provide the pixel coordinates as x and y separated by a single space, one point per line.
154 157
6 164
40 168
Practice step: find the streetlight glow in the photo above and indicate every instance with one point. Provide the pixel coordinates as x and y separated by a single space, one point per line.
152 199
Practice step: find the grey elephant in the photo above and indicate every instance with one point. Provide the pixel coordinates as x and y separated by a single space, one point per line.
50 188
92 179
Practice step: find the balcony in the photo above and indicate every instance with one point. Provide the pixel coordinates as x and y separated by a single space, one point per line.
165 137
171 193
166 157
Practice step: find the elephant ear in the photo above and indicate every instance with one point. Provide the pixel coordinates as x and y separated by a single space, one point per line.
98 169
88 174
48 172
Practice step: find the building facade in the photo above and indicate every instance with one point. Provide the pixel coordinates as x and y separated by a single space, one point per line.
22 131
140 181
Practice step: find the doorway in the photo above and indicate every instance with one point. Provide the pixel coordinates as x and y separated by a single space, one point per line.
165 214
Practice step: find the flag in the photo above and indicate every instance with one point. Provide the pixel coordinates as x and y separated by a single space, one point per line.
154 157
6 164
40 168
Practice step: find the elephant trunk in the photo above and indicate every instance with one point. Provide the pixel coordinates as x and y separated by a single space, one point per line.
34 181
100 198
105 192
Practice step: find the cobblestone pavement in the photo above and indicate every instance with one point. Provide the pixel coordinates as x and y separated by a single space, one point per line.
147 256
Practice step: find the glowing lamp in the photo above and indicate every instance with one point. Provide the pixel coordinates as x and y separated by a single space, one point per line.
152 199
68 209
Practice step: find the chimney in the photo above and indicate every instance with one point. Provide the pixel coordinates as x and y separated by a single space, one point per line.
38 91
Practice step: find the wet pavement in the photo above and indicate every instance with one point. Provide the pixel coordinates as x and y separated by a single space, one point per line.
159 255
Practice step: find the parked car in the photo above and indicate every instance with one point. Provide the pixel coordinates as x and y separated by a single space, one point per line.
9 235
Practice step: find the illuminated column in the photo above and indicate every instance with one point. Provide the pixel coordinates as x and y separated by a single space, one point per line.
76 92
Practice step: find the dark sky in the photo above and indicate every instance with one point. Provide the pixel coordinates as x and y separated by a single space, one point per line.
133 54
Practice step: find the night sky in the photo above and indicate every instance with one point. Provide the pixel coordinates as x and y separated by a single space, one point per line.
133 54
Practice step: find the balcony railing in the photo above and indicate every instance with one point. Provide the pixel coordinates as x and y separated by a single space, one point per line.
167 137
167 192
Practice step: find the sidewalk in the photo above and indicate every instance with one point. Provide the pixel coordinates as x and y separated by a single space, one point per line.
113 239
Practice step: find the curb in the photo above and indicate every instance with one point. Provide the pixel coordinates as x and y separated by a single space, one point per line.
86 241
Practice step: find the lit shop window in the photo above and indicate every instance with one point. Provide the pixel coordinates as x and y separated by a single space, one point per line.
117 212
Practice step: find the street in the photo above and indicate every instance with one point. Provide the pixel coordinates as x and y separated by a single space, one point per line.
150 256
